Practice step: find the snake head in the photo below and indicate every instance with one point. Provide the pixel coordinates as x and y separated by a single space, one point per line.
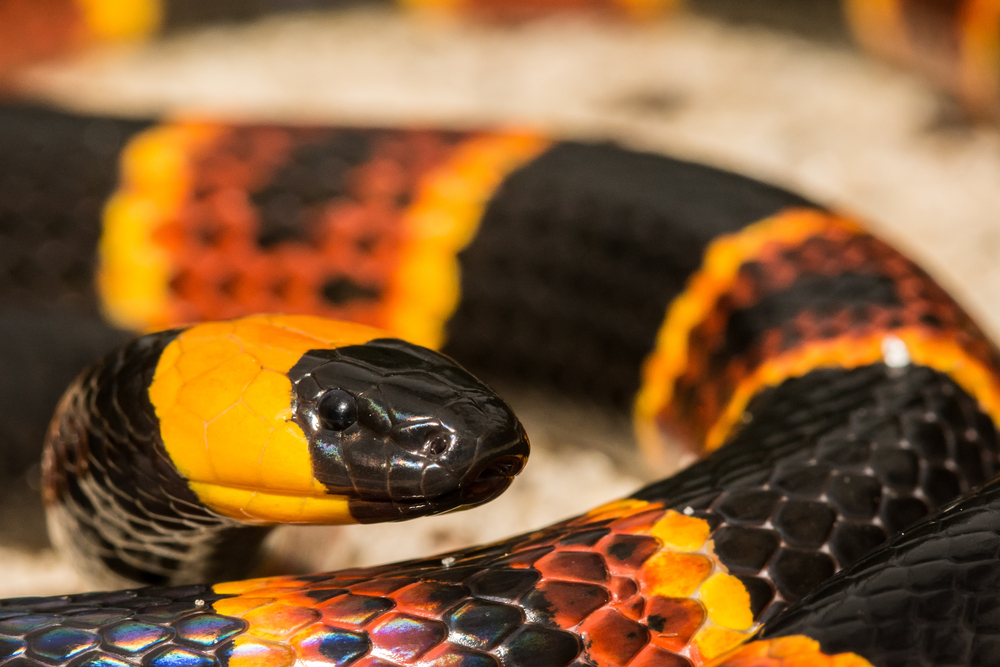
196 433
404 431
291 418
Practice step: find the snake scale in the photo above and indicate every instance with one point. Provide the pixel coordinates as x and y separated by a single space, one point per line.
843 513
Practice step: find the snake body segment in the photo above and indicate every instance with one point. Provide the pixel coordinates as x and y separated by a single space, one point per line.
847 395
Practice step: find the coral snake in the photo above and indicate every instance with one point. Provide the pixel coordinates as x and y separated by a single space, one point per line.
843 514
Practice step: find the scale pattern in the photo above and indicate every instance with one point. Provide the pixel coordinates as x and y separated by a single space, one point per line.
293 219
57 172
157 627
841 287
926 598
110 487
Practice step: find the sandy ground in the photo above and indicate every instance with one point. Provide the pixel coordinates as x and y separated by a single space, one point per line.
826 122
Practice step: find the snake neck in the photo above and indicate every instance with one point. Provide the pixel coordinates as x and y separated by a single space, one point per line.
113 499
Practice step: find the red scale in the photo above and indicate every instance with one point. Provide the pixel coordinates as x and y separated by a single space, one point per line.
428 599
612 639
580 566
567 603
623 554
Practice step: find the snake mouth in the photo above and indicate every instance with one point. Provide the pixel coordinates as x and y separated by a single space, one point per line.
488 483
263 506
492 480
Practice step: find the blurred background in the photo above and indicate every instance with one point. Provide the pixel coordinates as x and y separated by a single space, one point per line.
816 117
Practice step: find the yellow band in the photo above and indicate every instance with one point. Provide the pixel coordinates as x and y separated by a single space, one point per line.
938 352
134 272
224 401
442 220
686 567
723 260
251 506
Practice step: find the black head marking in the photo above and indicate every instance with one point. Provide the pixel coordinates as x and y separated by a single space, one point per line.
404 431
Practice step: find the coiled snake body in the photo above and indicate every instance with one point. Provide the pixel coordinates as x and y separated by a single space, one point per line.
842 397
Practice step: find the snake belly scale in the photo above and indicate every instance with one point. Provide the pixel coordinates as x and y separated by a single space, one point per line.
840 394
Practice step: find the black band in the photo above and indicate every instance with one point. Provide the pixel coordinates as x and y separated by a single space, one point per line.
577 256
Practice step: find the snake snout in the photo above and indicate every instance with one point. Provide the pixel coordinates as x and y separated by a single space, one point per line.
508 453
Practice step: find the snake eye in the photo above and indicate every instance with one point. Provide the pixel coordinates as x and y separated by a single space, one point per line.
337 410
